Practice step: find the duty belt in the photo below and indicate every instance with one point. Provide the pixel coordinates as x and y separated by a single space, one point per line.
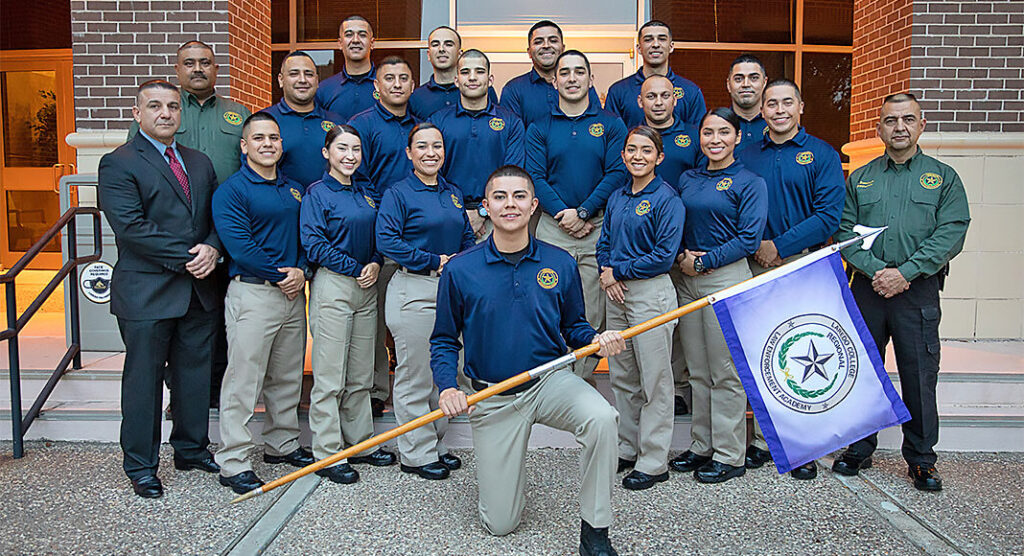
478 386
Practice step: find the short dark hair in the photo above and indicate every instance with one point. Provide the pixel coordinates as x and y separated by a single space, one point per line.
900 97
474 53
508 171
190 44
781 82
337 130
422 126
726 114
649 133
393 61
258 117
747 58
157 84
439 27
541 24
355 17
586 61
653 23
296 54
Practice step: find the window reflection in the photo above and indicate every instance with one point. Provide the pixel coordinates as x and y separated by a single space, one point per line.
30 118
826 92
828 22
29 215
318 20
766 21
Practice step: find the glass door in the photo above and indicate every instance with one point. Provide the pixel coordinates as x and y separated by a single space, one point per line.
36 114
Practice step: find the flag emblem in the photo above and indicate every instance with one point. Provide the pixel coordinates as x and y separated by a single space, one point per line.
809 363
369 201
804 158
455 201
597 130
677 92
497 124
327 125
931 180
682 140
724 184
296 194
547 278
233 118
643 208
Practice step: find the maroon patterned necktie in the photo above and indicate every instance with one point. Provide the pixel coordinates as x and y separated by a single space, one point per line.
179 172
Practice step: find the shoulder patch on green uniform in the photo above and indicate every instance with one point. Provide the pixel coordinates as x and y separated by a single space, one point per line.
682 140
233 118
547 278
931 180
455 201
296 194
497 124
804 158
724 184
596 130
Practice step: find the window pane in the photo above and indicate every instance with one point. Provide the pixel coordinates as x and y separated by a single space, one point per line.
767 21
29 215
828 22
826 92
278 21
710 69
35 24
30 118
330 62
318 20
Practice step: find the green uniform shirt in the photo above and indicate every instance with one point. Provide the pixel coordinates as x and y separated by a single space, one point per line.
213 128
925 206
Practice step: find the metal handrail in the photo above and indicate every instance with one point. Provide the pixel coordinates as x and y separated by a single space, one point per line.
15 323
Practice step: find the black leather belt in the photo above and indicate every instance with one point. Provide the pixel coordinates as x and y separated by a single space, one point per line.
253 280
478 386
420 272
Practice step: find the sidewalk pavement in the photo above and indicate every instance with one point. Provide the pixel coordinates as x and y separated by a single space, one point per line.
67 497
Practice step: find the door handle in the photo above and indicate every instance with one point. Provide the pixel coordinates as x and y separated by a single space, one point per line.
59 171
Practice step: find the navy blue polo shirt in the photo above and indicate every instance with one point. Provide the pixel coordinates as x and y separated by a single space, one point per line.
642 231
432 96
478 143
347 95
303 134
725 213
336 225
416 223
384 138
681 142
752 130
806 189
575 162
531 97
512 317
622 95
257 220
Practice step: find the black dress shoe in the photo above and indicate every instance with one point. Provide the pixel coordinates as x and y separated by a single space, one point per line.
376 407
148 486
687 461
206 464
717 472
341 474
242 483
451 461
680 406
756 457
433 471
925 477
849 464
300 457
638 480
805 472
380 458
594 541
625 464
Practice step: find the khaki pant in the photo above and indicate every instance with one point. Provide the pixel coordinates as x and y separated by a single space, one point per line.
719 402
680 374
501 432
381 388
640 380
266 350
585 252
343 321
410 312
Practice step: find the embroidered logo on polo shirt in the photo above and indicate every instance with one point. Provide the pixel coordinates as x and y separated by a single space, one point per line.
724 184
497 124
547 278
931 180
805 158
682 140
233 118
643 208
327 125
677 92
376 95
296 194
369 201
861 184
455 201
596 130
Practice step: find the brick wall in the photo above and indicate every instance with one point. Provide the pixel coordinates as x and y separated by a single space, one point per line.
967 64
249 30
120 44
881 59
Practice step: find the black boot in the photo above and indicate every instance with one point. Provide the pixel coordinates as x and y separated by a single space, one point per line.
594 541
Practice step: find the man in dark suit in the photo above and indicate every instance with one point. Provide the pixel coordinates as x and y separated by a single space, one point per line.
156 196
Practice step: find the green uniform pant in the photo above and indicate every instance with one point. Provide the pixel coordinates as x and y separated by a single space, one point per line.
343 321
381 388
501 432
640 380
585 252
266 349
719 402
410 307
680 373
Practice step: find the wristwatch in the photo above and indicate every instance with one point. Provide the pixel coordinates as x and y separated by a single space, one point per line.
582 213
698 265
481 211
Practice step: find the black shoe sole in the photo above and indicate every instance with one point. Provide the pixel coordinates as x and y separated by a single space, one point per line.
689 468
340 480
457 464
188 466
808 477
738 472
237 489
866 464
655 479
416 471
